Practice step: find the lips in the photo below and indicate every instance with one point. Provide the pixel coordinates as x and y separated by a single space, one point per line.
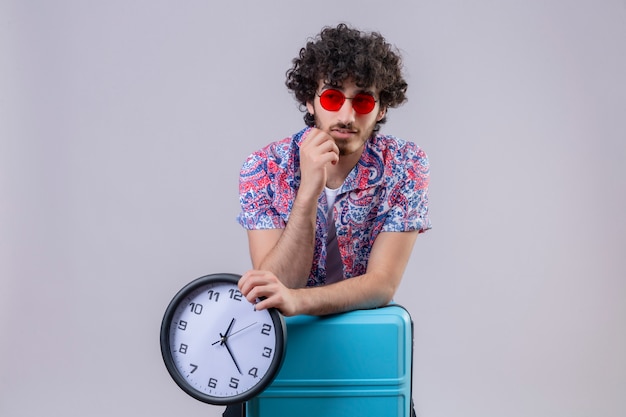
343 133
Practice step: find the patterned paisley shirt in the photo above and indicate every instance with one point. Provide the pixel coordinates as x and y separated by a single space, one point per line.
387 191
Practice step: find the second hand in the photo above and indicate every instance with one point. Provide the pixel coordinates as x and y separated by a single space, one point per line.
223 338
241 330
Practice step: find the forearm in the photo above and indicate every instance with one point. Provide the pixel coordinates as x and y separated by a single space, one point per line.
291 258
375 288
362 292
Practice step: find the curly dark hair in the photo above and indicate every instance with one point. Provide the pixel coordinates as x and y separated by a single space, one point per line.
342 53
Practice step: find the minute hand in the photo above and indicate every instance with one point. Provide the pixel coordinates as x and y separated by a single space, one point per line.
232 356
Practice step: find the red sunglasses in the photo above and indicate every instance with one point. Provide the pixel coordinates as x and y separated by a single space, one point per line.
332 100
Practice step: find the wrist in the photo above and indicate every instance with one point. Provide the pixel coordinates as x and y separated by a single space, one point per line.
307 196
305 204
300 303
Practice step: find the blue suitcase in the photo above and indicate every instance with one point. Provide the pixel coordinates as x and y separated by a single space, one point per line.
352 364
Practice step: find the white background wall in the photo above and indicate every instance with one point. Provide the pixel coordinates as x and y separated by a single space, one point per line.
123 125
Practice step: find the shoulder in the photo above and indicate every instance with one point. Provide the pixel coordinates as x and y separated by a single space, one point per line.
398 153
274 150
274 155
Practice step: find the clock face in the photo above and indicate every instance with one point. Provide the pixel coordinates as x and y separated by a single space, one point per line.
215 344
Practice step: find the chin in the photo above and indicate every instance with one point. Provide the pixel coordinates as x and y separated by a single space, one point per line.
349 150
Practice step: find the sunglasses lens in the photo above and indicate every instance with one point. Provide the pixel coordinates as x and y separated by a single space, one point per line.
363 103
332 100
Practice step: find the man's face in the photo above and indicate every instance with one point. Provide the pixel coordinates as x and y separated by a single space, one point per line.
348 127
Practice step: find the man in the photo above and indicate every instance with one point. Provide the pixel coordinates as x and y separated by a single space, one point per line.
332 212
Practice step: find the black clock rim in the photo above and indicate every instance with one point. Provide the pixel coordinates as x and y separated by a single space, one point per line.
279 356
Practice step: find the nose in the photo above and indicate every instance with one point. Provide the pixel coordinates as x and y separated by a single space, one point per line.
346 113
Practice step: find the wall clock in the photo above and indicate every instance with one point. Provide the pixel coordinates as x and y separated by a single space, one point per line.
216 346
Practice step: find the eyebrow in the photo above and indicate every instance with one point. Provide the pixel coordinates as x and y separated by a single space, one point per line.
338 87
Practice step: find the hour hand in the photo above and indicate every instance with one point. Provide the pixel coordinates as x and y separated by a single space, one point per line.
230 326
224 337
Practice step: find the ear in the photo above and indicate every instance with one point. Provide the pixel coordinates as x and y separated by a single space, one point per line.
310 108
381 114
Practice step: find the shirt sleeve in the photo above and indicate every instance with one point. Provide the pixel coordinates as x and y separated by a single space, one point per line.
408 199
255 196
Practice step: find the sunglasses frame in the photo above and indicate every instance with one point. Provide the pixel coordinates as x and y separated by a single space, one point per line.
338 104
